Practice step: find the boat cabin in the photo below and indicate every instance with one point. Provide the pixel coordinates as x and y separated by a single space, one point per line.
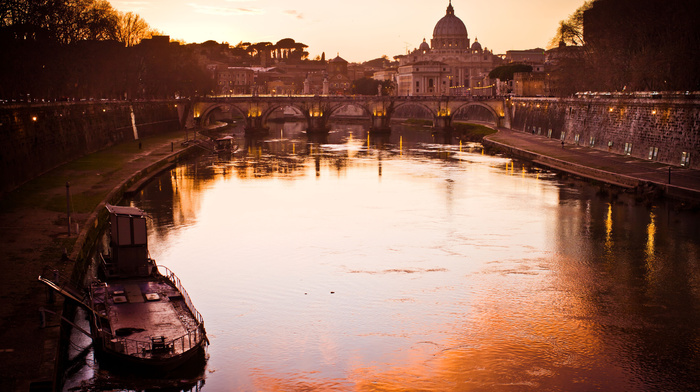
224 144
128 242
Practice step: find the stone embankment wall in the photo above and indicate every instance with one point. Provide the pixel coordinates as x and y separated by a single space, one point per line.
661 128
35 138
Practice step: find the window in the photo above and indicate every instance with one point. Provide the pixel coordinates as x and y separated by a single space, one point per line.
628 148
430 83
563 136
577 138
549 132
653 153
592 141
685 159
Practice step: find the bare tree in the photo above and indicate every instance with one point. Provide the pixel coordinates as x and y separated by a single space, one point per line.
570 31
131 29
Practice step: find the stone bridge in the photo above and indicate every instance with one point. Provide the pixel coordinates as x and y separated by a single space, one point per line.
317 110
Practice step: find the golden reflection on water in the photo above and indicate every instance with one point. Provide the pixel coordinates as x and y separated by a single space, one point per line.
609 231
650 250
186 190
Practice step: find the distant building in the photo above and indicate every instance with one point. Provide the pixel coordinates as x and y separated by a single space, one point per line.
235 80
529 84
424 78
532 57
338 81
337 65
449 65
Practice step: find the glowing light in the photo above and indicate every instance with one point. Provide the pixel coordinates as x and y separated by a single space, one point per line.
653 112
608 229
34 118
651 235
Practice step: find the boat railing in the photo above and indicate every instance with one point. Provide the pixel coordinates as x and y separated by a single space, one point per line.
147 349
176 281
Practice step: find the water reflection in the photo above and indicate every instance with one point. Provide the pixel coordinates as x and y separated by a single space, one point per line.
401 263
650 248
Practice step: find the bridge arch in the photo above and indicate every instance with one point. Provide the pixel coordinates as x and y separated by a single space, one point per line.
274 107
209 109
421 105
495 115
365 109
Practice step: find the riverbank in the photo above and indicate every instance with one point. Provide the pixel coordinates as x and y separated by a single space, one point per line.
646 177
36 239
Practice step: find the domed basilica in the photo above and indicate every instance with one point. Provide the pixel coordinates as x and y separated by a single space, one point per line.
449 65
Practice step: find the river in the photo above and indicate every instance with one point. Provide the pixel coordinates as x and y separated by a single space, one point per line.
417 265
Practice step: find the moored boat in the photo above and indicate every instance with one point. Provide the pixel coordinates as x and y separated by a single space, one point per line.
140 314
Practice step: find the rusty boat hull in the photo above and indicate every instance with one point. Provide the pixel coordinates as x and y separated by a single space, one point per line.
146 324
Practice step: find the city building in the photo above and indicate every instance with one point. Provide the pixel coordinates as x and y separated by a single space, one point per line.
534 57
449 65
235 80
339 82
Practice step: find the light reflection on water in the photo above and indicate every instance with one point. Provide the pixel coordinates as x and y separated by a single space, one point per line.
414 266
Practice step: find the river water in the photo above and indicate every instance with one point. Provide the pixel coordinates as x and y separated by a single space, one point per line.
415 265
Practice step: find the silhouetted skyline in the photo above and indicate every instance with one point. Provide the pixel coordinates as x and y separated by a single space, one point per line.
359 30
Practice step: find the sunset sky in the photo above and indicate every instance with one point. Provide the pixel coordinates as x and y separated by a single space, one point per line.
359 30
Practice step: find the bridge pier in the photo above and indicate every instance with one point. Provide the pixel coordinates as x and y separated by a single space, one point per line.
254 125
317 124
380 124
443 123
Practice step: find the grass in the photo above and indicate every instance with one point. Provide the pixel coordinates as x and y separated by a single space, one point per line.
474 132
48 190
418 121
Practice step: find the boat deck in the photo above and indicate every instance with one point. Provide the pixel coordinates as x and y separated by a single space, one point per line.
146 312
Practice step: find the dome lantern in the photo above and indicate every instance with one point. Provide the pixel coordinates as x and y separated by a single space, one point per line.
450 33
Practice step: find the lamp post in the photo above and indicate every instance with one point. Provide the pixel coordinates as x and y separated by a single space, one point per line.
68 205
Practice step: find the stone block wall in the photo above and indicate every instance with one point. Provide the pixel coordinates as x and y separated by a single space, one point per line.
35 138
665 129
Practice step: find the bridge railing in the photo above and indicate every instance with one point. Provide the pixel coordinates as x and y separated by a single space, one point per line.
423 98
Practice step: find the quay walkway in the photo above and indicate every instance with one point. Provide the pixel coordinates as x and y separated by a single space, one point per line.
675 182
33 228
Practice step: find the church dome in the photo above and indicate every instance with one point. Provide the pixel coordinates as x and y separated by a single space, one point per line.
424 46
450 25
450 33
476 46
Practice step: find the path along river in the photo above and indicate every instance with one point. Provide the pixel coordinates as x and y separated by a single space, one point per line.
416 265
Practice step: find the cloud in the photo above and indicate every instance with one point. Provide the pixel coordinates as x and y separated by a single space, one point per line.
294 13
223 11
